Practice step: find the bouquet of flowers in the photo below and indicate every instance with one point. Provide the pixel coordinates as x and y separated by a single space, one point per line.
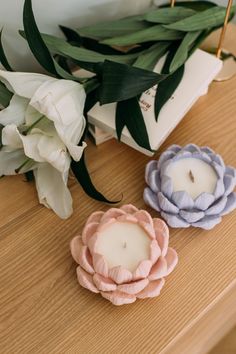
44 117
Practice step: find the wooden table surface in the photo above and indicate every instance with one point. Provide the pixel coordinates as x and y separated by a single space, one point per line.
42 307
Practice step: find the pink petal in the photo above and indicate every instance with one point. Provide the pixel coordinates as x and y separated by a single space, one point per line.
120 275
148 229
143 216
152 290
100 265
92 243
133 287
104 284
162 235
86 280
112 213
75 247
159 270
155 251
81 254
129 209
95 217
142 270
88 231
117 298
106 222
127 218
171 259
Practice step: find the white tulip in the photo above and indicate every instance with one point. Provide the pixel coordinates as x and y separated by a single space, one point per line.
43 125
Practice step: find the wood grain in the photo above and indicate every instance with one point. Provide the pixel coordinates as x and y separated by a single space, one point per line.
44 310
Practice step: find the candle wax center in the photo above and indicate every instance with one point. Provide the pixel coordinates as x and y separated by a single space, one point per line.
123 244
193 176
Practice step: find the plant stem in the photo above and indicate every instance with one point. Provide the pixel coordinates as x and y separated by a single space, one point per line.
33 125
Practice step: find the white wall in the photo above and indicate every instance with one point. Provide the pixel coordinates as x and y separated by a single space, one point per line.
50 13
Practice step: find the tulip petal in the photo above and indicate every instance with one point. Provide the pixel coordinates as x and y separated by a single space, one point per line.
159 270
162 235
120 275
142 270
152 290
133 287
230 205
23 84
15 112
100 265
166 205
10 161
88 231
217 207
117 298
11 137
174 220
150 199
86 280
171 259
52 190
129 209
104 284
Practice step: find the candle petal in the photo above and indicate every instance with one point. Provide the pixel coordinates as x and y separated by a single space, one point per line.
171 259
166 186
159 270
117 298
219 169
92 243
104 284
166 205
112 213
154 181
174 220
143 216
230 205
207 150
231 171
153 289
183 200
191 148
155 251
133 287
165 156
191 216
142 270
120 275
218 160
203 201
129 209
229 183
174 148
150 167
86 280
150 199
220 189
81 254
162 235
88 231
95 217
100 265
208 222
127 218
148 229
217 207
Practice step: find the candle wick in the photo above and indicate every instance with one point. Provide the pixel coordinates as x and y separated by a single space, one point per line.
191 176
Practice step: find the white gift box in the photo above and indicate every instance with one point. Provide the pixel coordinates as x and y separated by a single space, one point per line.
200 70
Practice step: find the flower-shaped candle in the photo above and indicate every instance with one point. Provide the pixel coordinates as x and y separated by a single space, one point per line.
190 186
123 254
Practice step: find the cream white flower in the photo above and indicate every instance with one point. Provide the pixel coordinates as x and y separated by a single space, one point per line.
43 125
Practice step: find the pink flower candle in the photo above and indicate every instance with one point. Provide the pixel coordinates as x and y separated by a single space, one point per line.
123 254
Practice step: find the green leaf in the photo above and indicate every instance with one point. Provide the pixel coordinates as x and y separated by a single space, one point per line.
168 15
181 54
5 95
149 59
153 33
121 82
212 17
129 114
35 41
167 87
82 175
3 58
71 35
194 5
114 28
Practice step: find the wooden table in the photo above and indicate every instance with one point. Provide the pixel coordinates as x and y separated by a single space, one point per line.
44 310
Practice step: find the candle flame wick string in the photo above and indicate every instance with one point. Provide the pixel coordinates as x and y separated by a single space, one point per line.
223 31
191 176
